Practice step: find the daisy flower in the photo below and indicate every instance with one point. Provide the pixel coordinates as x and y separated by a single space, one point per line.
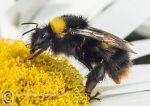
127 19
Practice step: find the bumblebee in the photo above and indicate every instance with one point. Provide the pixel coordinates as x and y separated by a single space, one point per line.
101 52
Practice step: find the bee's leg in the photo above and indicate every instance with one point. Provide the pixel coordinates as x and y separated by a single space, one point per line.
93 78
80 57
35 55
94 97
86 63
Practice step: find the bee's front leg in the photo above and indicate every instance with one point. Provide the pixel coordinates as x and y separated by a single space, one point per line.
35 55
93 78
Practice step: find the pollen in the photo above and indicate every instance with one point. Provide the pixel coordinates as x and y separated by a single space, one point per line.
47 80
104 45
58 25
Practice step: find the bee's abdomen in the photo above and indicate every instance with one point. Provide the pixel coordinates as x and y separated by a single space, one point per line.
75 21
118 66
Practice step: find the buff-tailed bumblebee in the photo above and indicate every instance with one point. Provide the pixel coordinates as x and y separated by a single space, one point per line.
101 52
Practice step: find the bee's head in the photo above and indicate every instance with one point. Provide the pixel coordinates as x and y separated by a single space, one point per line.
41 39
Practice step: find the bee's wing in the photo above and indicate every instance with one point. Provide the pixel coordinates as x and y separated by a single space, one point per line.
104 36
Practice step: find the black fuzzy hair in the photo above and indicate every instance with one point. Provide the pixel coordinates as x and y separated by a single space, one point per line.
73 21
119 63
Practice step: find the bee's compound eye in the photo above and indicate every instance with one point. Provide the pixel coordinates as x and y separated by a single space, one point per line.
43 36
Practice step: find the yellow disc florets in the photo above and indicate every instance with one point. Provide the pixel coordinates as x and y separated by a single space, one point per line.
48 80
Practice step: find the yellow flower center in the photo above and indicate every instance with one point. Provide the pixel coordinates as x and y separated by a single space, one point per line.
47 80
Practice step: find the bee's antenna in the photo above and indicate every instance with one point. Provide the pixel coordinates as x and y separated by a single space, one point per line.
31 29
31 23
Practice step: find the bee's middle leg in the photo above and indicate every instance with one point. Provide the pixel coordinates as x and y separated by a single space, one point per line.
96 75
79 55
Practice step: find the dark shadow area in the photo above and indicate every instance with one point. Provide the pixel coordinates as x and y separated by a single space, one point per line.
142 60
134 36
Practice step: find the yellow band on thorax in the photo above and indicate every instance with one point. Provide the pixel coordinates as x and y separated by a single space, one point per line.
58 25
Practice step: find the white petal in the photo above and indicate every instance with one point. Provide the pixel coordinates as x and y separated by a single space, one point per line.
79 66
99 6
86 8
123 16
141 47
144 29
23 11
5 5
132 87
8 30
133 99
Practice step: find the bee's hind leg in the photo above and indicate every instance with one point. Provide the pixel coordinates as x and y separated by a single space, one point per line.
96 75
94 97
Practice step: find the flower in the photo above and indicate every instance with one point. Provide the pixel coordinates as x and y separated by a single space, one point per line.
47 80
120 17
